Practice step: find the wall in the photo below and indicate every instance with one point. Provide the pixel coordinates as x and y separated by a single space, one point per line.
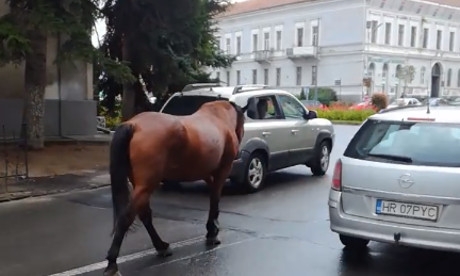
75 114
341 35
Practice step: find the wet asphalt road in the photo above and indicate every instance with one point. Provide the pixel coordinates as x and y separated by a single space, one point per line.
282 230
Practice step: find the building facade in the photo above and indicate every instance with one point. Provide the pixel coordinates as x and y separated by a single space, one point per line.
69 106
356 47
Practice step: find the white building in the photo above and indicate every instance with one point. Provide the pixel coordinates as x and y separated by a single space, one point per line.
344 44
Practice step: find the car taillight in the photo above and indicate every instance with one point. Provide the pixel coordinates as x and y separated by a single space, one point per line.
337 176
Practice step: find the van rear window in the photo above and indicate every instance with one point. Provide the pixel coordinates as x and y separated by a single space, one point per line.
187 105
415 143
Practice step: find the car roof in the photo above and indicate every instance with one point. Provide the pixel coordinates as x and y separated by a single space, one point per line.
227 92
437 114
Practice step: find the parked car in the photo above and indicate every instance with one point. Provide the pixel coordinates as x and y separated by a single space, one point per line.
404 102
279 131
312 104
397 181
362 105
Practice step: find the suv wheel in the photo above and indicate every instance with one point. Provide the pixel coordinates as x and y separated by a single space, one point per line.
353 243
321 160
254 173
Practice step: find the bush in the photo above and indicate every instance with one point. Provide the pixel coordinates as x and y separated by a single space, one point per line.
325 95
379 100
345 115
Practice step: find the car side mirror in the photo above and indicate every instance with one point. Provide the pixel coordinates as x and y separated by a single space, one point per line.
311 114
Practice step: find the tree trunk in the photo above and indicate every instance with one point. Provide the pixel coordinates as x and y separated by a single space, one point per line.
128 103
34 96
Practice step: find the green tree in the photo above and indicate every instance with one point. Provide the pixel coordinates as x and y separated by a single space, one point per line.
325 95
24 32
166 44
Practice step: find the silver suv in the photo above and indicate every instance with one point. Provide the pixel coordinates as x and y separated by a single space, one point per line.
279 131
398 180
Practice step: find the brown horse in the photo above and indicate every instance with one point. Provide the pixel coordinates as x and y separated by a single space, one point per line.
152 147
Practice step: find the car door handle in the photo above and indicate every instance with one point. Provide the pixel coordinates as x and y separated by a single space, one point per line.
266 133
294 131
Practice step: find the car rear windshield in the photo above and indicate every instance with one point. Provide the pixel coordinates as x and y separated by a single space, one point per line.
415 143
187 105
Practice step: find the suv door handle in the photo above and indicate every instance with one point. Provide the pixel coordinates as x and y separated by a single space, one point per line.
294 131
266 133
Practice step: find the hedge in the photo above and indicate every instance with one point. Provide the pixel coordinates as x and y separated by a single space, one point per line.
345 115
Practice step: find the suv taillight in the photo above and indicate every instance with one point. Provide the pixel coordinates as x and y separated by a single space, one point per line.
337 177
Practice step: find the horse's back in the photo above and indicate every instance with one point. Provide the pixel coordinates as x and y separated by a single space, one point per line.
181 147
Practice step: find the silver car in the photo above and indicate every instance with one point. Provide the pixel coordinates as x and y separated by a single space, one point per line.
398 180
279 131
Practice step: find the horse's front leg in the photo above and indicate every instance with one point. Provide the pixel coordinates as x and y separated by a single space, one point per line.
212 225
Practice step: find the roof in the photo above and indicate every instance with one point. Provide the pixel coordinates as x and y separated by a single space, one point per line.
441 114
255 5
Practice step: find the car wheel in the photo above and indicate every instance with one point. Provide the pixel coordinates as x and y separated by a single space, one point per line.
254 173
353 243
321 160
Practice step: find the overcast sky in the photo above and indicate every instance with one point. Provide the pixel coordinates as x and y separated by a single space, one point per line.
100 29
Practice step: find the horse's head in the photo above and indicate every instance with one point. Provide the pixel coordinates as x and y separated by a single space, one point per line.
240 118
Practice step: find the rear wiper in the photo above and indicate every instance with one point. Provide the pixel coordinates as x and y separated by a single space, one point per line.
398 158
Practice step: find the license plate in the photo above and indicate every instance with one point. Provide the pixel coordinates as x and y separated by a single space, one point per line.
401 209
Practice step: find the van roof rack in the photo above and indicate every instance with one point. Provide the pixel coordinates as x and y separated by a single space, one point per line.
194 86
246 87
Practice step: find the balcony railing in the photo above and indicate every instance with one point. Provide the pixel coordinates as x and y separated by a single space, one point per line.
263 56
301 52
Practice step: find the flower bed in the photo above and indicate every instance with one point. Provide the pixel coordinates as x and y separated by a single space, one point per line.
341 113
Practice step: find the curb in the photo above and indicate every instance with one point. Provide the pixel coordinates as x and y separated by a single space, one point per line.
349 123
27 194
94 183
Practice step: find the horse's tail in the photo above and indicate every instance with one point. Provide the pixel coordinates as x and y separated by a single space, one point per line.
120 167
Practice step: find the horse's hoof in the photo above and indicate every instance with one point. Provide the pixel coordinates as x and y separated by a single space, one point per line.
212 241
164 252
112 270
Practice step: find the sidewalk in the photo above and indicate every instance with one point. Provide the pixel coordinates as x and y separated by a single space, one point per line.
52 185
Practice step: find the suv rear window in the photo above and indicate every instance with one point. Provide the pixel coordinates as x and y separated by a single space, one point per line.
187 105
414 143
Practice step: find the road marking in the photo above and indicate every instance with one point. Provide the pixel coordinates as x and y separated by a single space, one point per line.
124 259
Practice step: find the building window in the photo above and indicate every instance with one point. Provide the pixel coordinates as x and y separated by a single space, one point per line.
299 37
298 77
266 76
255 46
228 46
254 76
278 40
374 24
458 78
218 76
413 36
449 77
451 41
387 33
314 35
278 76
266 41
218 42
228 78
401 35
422 75
238 77
425 38
238 45
314 74
438 40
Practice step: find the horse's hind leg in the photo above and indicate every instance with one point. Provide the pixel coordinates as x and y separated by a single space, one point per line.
139 198
162 247
215 183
